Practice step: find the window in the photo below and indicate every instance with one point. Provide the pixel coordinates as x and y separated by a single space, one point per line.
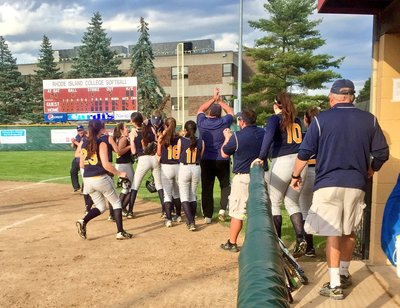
227 69
174 72
174 103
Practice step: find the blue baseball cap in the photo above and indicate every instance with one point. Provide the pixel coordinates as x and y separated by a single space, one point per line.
343 86
80 127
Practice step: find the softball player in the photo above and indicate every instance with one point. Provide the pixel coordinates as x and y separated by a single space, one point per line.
143 144
123 160
98 183
282 138
190 151
306 194
167 150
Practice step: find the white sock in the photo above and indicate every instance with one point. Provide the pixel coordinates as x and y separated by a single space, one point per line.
344 268
334 277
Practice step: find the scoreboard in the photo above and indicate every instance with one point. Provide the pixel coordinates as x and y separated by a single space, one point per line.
94 95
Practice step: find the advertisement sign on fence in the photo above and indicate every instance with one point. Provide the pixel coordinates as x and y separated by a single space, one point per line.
62 135
94 95
55 117
13 136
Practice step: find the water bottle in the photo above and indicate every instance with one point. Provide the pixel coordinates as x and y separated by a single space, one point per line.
397 252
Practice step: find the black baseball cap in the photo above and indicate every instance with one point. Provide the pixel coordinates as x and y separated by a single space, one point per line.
343 86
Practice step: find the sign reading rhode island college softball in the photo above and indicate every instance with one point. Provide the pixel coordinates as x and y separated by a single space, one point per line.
114 95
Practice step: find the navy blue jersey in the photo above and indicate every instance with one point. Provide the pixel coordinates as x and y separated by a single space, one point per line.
211 131
156 131
343 139
169 154
92 165
139 142
278 142
245 146
126 157
104 138
188 156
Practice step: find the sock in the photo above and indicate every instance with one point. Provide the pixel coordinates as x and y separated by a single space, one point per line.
123 199
132 198
278 224
334 277
168 210
118 219
188 212
297 222
161 196
344 268
193 207
178 206
110 207
94 212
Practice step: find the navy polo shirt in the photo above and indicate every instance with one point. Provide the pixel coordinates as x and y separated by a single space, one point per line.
245 146
278 142
211 131
344 138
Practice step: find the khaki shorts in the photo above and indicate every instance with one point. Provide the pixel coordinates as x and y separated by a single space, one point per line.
239 196
335 211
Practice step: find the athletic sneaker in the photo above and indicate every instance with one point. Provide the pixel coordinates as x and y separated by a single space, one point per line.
345 281
177 218
192 227
129 215
81 225
111 218
299 249
207 220
221 215
310 252
168 223
230 247
76 190
124 213
163 215
334 293
123 235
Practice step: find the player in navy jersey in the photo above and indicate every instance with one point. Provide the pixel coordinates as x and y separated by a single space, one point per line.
283 136
308 184
350 146
167 150
245 146
100 186
143 144
190 149
124 159
213 165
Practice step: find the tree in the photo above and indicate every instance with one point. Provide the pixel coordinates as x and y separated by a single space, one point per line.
95 57
47 69
13 101
286 58
150 93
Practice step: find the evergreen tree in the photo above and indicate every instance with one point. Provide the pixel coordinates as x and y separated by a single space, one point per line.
150 93
285 58
47 69
95 57
13 101
364 98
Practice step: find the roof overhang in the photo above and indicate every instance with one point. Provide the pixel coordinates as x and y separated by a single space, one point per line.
369 7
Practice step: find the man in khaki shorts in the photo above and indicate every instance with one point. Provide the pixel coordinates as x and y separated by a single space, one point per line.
245 146
343 138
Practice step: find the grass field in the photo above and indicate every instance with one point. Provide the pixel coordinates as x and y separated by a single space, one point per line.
54 166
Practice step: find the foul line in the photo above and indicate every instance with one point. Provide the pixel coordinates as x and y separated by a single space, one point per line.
33 184
20 222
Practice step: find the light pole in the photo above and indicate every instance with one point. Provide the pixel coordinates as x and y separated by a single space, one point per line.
239 92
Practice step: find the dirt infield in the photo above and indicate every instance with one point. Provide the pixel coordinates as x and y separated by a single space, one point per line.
44 263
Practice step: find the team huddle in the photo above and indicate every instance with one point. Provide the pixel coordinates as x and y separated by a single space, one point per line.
311 173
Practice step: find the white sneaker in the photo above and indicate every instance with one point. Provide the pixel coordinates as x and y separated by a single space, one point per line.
221 215
168 223
123 235
207 220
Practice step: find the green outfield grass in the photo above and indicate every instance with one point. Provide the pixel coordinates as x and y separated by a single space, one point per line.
54 166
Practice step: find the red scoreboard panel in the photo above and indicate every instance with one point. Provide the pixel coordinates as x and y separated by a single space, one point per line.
90 95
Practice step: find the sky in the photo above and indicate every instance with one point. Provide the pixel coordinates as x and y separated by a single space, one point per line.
23 24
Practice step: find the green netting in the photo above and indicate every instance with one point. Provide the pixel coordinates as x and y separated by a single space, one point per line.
261 274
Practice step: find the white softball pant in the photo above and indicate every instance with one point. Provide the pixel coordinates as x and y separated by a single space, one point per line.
146 163
279 185
101 188
306 194
129 172
169 181
189 178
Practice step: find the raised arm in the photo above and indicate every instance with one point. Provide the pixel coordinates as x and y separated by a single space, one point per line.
203 107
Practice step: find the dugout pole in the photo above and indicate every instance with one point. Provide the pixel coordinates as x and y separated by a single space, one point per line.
261 273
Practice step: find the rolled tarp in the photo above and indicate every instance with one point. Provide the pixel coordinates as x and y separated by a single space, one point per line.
261 273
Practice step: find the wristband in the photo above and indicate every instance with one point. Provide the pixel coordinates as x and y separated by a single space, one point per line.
296 177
